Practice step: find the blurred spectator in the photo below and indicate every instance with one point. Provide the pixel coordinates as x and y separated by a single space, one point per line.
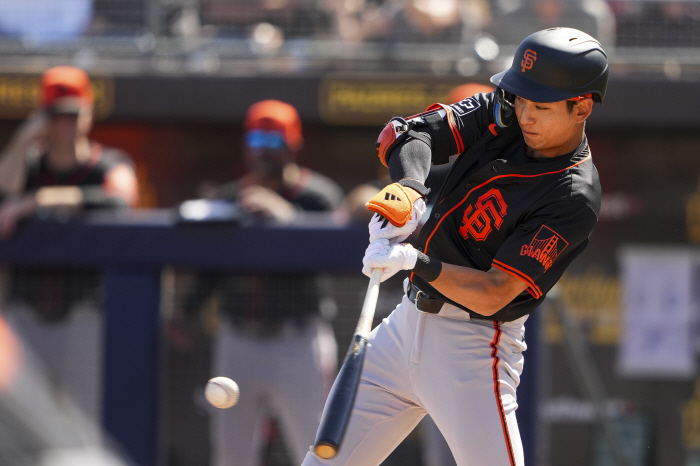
658 24
272 338
439 21
433 21
591 16
285 18
51 167
360 20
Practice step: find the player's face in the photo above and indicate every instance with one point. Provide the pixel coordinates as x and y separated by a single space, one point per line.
65 128
549 129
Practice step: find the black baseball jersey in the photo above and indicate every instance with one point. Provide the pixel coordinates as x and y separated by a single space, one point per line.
90 176
500 207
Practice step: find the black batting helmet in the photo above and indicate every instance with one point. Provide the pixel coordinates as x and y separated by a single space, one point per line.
556 64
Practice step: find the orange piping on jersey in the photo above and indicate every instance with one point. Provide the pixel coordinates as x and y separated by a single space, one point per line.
484 184
497 390
452 125
533 289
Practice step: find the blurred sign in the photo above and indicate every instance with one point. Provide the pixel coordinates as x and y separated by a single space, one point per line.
691 420
353 101
19 95
593 299
659 312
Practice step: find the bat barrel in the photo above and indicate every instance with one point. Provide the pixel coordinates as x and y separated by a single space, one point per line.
340 401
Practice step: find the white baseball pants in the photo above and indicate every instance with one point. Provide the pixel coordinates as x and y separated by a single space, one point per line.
287 377
462 372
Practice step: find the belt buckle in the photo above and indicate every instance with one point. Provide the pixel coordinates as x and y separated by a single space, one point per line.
417 301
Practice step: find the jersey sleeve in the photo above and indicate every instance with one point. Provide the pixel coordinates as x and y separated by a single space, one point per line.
543 246
444 130
462 125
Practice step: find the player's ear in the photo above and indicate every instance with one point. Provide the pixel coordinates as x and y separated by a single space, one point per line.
583 109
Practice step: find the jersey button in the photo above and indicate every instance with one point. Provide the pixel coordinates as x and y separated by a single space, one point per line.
437 215
469 185
494 168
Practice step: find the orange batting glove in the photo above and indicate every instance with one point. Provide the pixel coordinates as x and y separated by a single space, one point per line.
398 210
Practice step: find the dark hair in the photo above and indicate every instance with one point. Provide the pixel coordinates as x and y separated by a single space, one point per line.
570 105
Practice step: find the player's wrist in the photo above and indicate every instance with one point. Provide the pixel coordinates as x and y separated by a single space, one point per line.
415 185
427 268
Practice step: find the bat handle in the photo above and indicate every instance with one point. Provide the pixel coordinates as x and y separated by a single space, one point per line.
364 323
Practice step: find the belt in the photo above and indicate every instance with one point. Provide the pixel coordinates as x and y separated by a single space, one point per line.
423 302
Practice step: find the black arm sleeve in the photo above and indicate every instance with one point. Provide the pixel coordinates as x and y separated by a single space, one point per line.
410 159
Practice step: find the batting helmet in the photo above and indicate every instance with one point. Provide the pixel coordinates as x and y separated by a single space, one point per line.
556 64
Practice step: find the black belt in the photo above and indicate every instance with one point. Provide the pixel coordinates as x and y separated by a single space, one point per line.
423 302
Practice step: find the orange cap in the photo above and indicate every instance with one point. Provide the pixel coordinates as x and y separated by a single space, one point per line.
276 115
65 89
460 93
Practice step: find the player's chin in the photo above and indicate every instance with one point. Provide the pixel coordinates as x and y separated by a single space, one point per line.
533 143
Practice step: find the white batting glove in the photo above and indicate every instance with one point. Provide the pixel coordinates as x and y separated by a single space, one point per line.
381 228
390 257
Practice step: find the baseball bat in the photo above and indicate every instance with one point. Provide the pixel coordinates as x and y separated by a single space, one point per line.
342 396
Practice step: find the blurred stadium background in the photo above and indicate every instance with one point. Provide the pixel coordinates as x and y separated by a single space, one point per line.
613 356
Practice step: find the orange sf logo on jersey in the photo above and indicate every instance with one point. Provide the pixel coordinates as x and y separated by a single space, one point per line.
480 219
545 247
528 59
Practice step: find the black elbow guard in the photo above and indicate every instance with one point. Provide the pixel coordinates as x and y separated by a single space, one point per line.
396 131
427 125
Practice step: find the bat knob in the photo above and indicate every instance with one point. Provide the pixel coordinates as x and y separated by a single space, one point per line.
325 451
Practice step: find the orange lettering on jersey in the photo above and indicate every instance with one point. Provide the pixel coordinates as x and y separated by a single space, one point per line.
488 212
528 60
545 247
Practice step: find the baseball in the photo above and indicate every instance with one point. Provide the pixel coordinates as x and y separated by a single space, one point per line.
222 392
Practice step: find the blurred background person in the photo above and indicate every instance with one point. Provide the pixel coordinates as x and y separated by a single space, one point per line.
269 23
51 167
594 17
272 338
423 21
50 162
440 21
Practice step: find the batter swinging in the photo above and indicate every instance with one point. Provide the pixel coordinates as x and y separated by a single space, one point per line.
518 205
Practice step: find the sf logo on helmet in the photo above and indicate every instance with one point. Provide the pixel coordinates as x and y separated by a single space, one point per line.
528 59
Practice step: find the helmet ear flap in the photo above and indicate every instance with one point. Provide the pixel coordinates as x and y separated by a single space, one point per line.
504 110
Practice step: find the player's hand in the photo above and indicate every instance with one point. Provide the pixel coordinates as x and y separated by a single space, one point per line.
265 202
389 257
34 127
382 228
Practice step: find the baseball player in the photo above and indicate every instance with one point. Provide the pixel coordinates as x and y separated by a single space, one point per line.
518 205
